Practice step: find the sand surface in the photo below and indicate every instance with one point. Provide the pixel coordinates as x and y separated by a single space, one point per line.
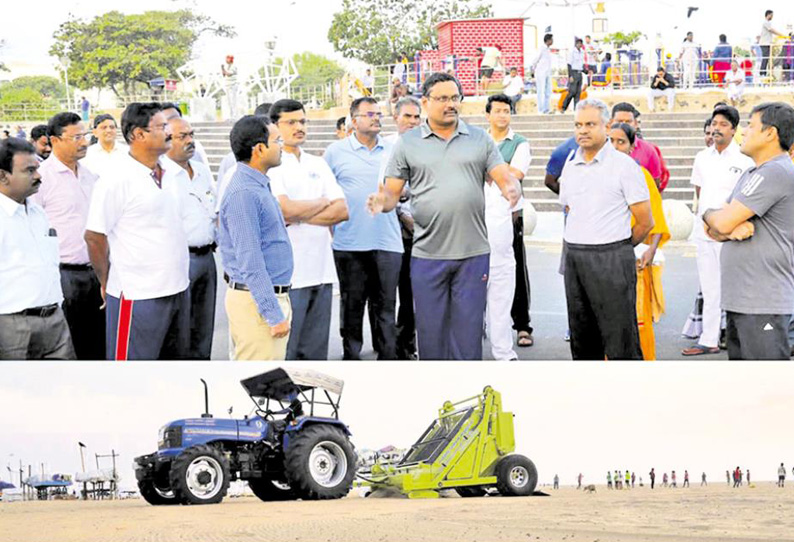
716 512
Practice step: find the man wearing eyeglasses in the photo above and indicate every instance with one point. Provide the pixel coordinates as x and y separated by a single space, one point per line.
65 195
199 220
446 163
312 203
138 246
367 249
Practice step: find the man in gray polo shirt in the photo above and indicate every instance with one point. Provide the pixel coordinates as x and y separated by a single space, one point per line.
446 162
602 189
758 227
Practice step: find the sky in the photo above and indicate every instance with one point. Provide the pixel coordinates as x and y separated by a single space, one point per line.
569 417
302 25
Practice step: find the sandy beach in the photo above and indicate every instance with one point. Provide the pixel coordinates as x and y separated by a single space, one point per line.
715 512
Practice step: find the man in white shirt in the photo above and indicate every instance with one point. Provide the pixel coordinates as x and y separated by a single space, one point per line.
65 195
590 57
491 59
541 66
32 324
312 203
766 38
513 88
172 111
369 82
138 246
575 68
735 81
499 221
714 175
101 156
200 223
690 60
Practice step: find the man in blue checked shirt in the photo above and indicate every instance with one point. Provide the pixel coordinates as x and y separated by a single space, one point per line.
255 249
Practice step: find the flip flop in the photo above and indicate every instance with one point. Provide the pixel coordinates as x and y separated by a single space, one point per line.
699 350
524 339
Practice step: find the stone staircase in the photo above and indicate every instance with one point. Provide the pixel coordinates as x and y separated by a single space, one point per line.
679 135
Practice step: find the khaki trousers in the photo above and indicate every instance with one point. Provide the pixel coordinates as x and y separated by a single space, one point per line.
250 332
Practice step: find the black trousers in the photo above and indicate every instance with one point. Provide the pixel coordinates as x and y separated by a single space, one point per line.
522 298
368 277
203 290
406 324
574 90
758 336
82 298
601 291
764 59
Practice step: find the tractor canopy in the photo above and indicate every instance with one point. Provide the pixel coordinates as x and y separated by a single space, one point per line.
288 386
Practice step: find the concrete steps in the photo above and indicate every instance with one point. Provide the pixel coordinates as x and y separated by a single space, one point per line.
678 135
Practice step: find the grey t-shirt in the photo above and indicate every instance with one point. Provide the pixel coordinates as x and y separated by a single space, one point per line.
758 273
446 180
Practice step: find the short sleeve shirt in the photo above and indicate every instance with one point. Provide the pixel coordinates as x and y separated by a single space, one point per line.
447 198
766 36
306 179
599 194
758 273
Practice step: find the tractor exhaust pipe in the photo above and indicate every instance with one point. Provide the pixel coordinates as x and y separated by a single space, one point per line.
206 401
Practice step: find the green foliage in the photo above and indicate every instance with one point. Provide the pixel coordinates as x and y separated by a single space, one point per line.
315 70
116 50
376 31
26 104
48 87
620 40
740 52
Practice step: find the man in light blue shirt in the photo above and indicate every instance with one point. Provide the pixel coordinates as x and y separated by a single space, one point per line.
367 249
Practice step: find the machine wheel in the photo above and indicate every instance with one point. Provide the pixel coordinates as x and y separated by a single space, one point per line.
320 463
471 491
154 495
516 476
271 490
200 475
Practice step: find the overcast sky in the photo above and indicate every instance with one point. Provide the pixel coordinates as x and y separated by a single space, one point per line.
302 25
570 417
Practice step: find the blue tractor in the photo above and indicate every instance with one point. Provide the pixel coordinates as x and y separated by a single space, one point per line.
293 447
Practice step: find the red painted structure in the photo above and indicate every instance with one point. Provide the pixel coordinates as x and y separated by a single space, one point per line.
458 41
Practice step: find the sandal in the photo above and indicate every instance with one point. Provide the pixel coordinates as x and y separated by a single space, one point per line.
524 339
699 350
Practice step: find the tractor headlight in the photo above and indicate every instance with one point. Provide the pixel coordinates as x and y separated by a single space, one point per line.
170 437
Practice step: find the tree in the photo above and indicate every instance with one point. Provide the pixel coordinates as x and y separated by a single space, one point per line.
619 39
48 87
3 67
376 31
117 50
315 70
26 104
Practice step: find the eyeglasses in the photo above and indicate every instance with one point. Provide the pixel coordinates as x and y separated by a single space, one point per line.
294 122
447 99
371 114
184 136
160 127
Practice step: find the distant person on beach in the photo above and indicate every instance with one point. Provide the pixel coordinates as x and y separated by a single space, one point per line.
609 480
556 482
652 474
748 477
664 479
703 480
686 479
579 480
728 477
672 479
781 476
633 478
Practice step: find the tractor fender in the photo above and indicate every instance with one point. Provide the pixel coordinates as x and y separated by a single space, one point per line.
305 422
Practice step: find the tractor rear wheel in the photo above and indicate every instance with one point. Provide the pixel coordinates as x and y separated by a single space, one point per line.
154 495
320 463
271 490
200 475
516 476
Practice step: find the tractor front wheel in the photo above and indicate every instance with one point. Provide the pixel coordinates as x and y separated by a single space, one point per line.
200 475
516 476
320 463
154 495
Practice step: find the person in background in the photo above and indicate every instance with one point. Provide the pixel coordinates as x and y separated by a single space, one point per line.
735 81
41 142
662 84
85 108
541 69
513 88
723 53
101 156
575 69
765 40
341 128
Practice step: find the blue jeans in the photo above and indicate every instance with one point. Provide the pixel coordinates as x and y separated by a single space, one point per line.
544 92
449 301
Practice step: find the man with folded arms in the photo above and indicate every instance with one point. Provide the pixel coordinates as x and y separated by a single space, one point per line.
255 248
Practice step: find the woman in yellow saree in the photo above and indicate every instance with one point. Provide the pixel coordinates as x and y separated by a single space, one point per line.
650 297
